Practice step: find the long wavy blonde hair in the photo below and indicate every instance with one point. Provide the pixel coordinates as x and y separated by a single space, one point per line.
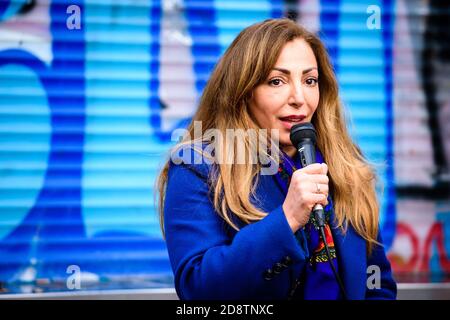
225 105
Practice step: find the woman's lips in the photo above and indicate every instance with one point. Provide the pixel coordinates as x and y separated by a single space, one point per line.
289 121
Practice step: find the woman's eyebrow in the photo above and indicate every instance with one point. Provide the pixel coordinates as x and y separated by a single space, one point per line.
308 70
285 71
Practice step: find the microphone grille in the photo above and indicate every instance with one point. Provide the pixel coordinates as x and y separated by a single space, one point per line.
302 131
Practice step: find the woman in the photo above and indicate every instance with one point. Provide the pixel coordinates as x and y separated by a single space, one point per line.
234 233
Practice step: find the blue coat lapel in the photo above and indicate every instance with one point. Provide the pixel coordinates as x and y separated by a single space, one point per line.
351 254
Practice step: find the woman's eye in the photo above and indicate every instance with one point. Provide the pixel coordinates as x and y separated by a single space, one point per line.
275 82
311 81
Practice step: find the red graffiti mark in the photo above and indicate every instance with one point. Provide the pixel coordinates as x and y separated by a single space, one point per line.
436 233
397 262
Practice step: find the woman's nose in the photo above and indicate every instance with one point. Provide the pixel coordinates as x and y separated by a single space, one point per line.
296 98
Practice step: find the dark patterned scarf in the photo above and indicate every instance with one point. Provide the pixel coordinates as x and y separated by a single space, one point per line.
318 278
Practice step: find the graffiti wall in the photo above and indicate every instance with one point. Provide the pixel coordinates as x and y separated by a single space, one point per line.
90 92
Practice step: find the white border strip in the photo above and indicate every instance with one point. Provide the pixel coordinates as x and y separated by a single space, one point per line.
164 293
170 293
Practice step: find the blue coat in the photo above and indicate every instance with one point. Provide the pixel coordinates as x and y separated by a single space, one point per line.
210 260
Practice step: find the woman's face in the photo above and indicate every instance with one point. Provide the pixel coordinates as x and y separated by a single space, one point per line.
290 94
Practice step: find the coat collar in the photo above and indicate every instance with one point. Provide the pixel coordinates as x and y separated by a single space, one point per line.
351 254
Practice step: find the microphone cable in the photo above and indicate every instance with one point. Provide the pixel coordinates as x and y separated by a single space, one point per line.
320 219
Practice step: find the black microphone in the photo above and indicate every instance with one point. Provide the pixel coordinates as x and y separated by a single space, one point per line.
303 137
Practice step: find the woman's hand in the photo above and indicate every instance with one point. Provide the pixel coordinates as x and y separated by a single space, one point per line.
308 187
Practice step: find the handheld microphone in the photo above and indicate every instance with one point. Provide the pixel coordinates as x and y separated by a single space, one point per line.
303 137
